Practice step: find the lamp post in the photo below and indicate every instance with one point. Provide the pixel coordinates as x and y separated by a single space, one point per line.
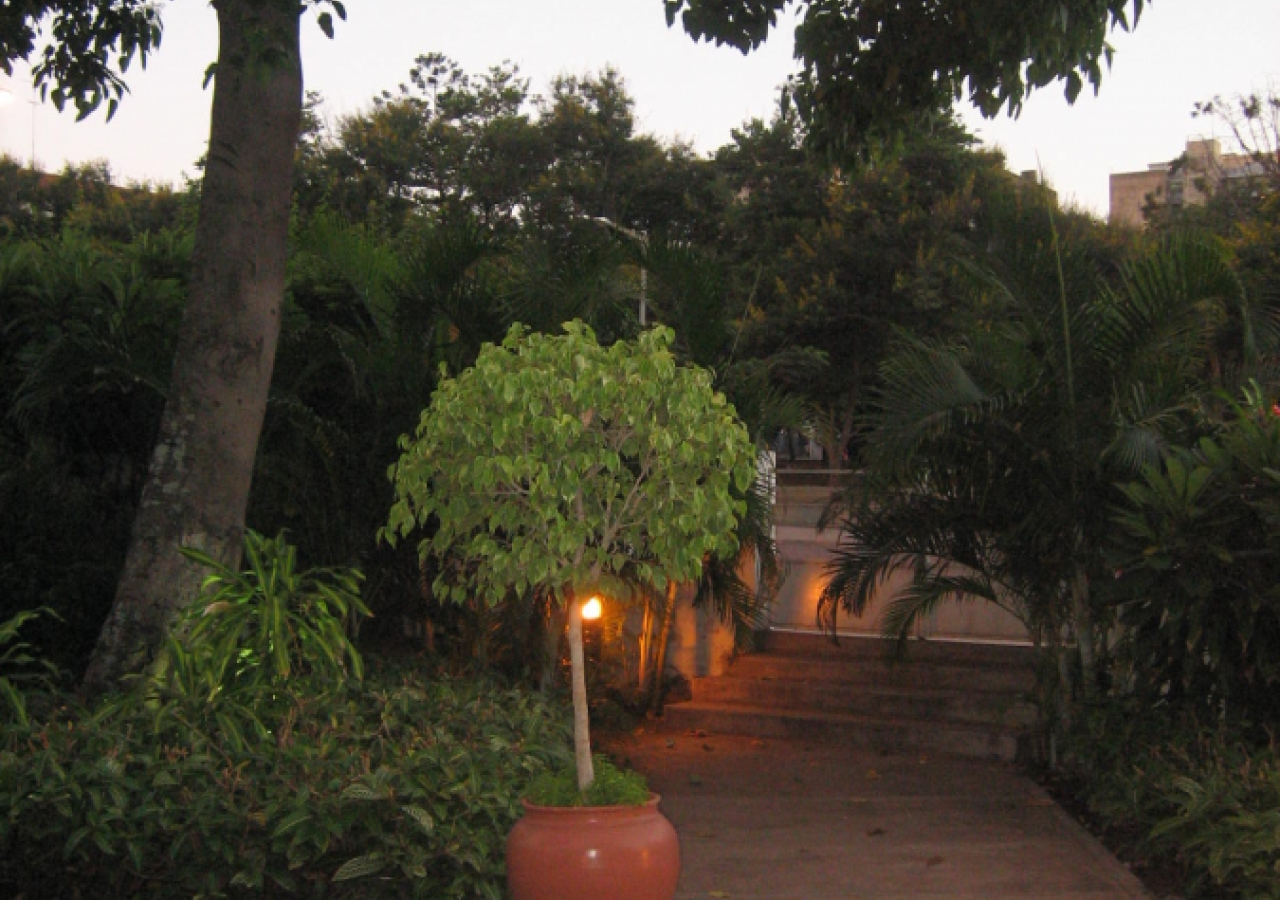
643 240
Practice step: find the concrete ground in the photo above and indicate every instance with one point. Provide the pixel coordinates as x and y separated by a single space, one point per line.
784 820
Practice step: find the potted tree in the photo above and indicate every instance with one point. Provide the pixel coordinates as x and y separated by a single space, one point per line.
552 464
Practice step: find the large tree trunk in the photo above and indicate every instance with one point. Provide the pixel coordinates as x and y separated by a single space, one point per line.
198 484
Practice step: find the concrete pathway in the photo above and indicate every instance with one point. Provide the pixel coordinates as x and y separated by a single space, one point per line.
783 820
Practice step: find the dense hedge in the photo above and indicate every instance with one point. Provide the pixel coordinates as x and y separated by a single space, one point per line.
397 787
1196 792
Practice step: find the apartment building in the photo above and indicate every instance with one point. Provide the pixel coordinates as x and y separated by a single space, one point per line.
1186 181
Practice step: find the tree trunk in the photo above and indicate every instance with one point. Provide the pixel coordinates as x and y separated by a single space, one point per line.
1083 622
645 641
838 437
660 664
551 645
581 722
198 484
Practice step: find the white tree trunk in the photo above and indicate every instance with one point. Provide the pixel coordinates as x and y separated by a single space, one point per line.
581 724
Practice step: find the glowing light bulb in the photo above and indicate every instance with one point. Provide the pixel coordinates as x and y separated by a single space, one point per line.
592 609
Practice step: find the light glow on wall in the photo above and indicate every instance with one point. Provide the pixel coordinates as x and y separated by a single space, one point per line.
592 609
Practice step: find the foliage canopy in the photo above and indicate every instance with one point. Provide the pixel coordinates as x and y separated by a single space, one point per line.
872 63
557 463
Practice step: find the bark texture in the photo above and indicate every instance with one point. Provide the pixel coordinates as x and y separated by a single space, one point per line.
1083 621
551 645
198 484
581 719
664 638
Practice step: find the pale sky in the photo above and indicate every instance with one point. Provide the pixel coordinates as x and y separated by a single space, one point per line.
1182 51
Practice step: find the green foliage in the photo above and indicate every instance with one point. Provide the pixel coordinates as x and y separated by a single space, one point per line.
86 347
869 67
1194 790
875 255
1197 545
260 626
994 456
556 463
21 669
417 781
611 787
90 44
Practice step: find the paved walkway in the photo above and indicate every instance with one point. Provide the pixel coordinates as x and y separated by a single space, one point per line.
783 820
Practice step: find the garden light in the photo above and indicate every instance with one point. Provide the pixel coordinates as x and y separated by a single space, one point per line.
592 609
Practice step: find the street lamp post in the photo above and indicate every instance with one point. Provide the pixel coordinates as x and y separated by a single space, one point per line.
643 240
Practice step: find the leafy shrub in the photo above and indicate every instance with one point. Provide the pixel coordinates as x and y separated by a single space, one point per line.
612 787
1198 600
394 787
1196 792
260 626
19 667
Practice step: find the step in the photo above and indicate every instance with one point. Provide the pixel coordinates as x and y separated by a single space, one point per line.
807 515
807 494
1007 709
879 672
896 735
819 645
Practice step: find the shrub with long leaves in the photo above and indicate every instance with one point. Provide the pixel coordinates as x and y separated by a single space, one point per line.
21 669
1197 546
271 621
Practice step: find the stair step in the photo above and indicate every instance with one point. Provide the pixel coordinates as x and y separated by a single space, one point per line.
870 670
1006 708
815 645
893 735
806 515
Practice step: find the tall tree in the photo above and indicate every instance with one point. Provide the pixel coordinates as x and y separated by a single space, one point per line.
874 64
198 484
557 464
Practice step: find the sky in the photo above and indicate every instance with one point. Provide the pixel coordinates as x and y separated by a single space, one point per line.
1182 51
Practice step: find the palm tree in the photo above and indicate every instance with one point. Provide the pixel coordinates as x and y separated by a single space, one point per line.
993 456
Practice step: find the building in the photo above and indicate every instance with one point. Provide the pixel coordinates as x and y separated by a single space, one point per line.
1186 181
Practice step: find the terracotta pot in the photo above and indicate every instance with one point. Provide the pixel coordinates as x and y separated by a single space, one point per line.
593 853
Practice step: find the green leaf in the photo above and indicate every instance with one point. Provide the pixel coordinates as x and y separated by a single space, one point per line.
422 817
359 867
361 792
291 823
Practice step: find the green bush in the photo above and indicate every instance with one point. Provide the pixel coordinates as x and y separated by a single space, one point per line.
257 627
611 787
1197 599
394 787
19 667
1198 793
